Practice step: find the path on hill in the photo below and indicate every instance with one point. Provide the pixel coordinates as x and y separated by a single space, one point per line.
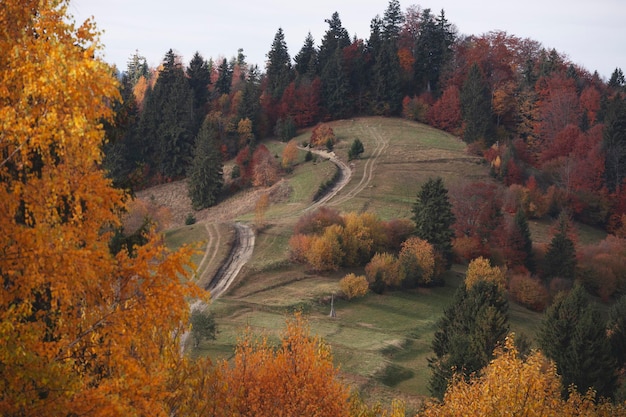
368 169
345 173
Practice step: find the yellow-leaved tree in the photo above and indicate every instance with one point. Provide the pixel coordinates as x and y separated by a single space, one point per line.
513 386
83 331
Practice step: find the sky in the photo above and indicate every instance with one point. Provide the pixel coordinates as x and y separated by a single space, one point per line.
590 34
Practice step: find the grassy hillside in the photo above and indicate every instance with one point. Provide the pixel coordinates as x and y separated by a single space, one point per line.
381 342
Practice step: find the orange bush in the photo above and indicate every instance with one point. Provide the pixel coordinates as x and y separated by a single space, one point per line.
417 262
480 269
325 253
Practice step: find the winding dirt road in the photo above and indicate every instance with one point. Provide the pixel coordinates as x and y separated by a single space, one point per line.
243 245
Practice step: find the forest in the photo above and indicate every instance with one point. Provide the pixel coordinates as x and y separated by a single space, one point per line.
94 314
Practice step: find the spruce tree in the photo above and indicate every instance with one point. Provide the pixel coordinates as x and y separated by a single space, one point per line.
278 71
336 37
224 78
167 120
433 217
206 173
199 76
561 255
526 242
476 107
470 329
306 59
386 80
616 331
574 336
614 142
335 88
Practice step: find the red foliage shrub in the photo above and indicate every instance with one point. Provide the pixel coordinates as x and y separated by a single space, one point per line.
466 248
321 135
528 292
397 231
299 245
314 222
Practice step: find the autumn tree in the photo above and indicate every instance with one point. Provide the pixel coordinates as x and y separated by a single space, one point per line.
290 154
382 271
433 217
83 331
471 327
480 269
573 334
513 385
265 171
354 286
321 135
417 263
206 172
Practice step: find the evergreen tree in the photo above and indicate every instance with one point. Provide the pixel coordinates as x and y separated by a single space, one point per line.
617 79
336 37
278 72
432 214
470 329
476 107
526 243
166 125
616 331
386 81
574 336
614 142
199 76
136 67
306 59
433 49
206 172
250 105
561 255
392 21
335 88
224 78
121 151
356 149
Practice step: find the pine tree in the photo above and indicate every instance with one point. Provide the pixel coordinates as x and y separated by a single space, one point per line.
467 334
574 336
224 78
386 80
614 142
199 76
306 59
206 172
136 67
476 107
278 71
335 88
616 331
356 149
336 37
433 217
167 121
561 255
526 242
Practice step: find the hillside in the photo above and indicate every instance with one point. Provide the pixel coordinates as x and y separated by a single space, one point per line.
381 342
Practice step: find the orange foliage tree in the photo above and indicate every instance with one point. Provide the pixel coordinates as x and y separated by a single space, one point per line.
321 135
417 262
383 271
296 379
480 269
83 331
510 385
290 154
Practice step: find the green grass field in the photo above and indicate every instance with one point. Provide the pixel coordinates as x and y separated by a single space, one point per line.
380 342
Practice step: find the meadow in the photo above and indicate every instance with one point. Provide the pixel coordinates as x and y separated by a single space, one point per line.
380 342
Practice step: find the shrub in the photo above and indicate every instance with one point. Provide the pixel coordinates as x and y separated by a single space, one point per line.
325 253
315 222
397 231
480 269
466 248
299 245
190 219
528 292
383 268
354 286
327 185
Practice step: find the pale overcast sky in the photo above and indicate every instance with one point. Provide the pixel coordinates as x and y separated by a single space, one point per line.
591 34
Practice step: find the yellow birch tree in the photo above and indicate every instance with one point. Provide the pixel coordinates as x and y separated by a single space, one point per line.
83 332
